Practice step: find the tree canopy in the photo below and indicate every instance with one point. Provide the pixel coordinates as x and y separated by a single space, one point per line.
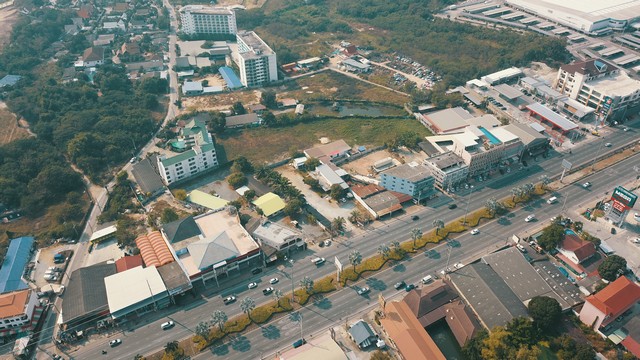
612 267
545 311
551 236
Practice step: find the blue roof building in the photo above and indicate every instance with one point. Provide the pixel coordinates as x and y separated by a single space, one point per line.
232 80
17 258
9 80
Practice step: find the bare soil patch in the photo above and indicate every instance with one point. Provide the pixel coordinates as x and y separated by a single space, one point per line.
10 129
8 17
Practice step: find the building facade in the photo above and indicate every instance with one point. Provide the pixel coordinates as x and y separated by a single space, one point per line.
256 60
600 86
448 170
202 155
16 311
410 179
202 19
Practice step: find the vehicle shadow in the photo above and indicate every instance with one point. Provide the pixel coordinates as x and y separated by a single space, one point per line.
376 284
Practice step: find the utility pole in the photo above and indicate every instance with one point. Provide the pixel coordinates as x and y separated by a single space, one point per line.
464 222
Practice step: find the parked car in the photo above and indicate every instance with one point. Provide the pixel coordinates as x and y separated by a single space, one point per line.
114 343
167 325
229 299
399 285
474 232
521 248
409 287
252 285
427 279
363 290
274 280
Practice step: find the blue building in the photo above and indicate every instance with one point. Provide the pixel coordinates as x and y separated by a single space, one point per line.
410 179
15 261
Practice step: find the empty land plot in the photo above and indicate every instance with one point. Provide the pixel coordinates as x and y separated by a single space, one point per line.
8 17
268 145
219 102
9 129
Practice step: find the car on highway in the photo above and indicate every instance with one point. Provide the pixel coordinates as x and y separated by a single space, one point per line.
167 325
363 290
586 185
318 260
252 285
256 271
299 343
415 217
268 290
607 145
274 280
229 299
530 218
133 160
409 287
400 285
452 206
115 342
474 232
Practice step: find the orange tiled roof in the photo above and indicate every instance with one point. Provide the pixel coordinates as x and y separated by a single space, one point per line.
616 298
153 249
13 303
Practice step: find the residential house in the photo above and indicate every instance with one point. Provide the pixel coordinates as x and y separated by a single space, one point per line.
362 335
192 88
130 51
605 306
93 56
270 204
575 249
244 120
329 177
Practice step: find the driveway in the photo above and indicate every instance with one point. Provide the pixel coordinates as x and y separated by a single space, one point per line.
330 210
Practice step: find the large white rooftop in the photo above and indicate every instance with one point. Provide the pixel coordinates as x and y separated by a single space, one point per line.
619 84
132 287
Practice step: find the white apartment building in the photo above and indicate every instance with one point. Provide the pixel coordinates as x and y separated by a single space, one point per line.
448 170
598 85
200 157
256 60
204 19
16 311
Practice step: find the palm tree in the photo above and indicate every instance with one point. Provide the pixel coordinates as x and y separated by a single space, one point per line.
262 172
516 191
438 224
337 226
355 216
202 329
415 235
384 251
545 180
247 305
492 206
171 347
527 189
277 295
355 258
219 318
307 284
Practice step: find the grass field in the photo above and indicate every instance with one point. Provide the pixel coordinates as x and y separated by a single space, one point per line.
9 130
262 145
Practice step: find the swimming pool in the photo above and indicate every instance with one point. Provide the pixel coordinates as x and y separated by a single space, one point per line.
492 139
570 232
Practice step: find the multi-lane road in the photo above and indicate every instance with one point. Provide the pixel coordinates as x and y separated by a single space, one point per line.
147 338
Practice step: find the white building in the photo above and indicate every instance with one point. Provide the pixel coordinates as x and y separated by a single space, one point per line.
588 16
204 19
328 177
278 237
448 170
16 311
200 157
598 85
256 60
411 179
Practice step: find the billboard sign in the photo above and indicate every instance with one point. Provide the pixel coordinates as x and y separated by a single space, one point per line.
618 206
624 196
607 103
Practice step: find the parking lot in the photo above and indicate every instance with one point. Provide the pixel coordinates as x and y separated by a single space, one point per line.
44 260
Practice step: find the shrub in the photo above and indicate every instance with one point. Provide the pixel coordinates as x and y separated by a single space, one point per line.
237 325
324 285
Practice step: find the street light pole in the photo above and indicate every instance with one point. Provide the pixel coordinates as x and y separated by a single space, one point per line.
293 297
593 164
468 201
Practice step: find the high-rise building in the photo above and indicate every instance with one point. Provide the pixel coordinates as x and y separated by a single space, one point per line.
256 60
203 19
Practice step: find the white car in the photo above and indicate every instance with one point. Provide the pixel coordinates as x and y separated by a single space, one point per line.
274 281
607 144
529 218
636 241
252 285
474 232
636 216
586 185
167 325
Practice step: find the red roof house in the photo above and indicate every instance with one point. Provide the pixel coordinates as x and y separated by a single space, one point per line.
576 249
128 262
601 309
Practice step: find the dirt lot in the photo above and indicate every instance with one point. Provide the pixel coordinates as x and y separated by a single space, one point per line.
220 101
541 70
9 129
363 165
249 4
8 17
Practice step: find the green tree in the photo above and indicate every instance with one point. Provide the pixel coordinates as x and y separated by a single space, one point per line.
384 251
311 164
268 119
202 330
545 312
238 108
219 318
307 284
493 206
168 215
380 355
268 99
242 165
612 267
337 192
249 195
237 180
497 345
277 295
472 350
337 226
437 224
551 236
180 194
415 235
218 122
544 181
355 258
293 208
247 305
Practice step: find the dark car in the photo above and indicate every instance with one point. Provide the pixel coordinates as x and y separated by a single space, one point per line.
409 287
415 217
400 285
256 271
299 343
453 206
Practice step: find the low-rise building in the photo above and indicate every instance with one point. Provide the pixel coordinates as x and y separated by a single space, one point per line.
192 88
575 249
19 311
279 237
355 66
244 120
602 308
270 204
446 121
136 292
362 334
15 261
93 56
411 179
448 170
86 295
329 151
328 177
534 143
